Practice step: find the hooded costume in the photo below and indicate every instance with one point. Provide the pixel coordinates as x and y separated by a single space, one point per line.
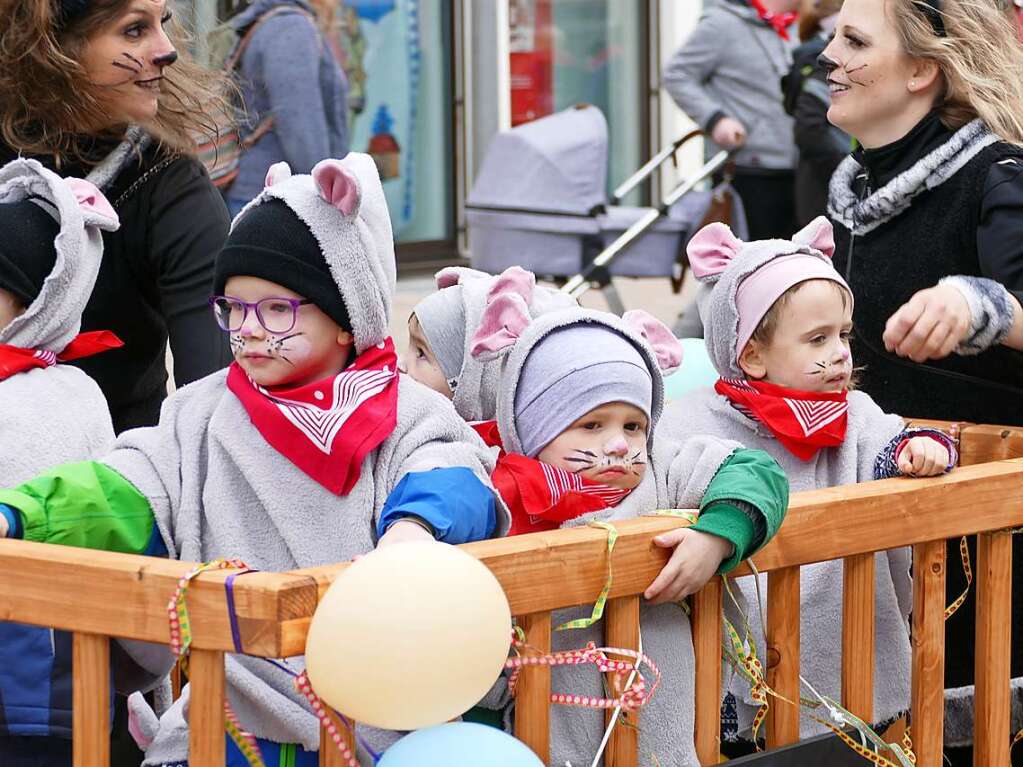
861 444
741 494
207 481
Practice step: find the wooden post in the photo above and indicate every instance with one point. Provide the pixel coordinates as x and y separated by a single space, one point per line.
206 709
994 632
533 698
330 754
177 681
928 705
858 636
621 629
783 655
91 700
706 626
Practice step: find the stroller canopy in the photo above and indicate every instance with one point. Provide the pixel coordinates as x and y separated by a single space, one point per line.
556 164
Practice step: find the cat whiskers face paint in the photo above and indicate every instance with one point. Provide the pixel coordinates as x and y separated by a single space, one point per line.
588 461
278 346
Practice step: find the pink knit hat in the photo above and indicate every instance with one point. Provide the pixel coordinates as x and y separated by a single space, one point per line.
758 292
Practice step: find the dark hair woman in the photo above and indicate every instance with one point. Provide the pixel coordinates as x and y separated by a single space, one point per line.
101 89
928 220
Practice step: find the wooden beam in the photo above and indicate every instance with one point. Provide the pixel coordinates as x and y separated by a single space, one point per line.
783 655
983 444
102 592
533 696
621 629
706 627
928 693
858 636
330 754
994 634
206 744
90 730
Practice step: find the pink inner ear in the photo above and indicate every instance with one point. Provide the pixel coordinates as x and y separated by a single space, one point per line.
448 277
278 172
711 249
514 280
667 348
501 325
90 199
819 235
337 185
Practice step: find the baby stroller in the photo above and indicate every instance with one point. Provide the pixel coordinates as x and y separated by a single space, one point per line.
539 202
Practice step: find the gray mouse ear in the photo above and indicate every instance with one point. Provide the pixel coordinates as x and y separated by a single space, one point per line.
819 235
142 721
711 251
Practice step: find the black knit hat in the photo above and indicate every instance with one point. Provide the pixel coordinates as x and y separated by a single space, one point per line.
271 242
27 251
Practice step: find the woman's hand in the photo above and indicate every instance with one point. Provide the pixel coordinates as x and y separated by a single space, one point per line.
930 325
923 457
729 133
697 556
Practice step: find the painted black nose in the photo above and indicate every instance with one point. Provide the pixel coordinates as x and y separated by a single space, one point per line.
826 63
166 60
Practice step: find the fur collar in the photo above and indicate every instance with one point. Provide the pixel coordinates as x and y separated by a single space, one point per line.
861 216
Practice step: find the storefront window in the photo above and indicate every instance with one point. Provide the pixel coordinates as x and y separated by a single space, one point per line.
564 52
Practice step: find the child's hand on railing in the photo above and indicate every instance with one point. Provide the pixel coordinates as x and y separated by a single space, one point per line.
405 530
923 457
695 560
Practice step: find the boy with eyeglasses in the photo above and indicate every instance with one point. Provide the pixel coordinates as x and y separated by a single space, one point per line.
308 450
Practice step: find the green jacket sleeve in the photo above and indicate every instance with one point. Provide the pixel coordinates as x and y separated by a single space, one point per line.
85 504
745 503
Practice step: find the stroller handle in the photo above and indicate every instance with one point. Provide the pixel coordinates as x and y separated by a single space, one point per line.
579 284
651 165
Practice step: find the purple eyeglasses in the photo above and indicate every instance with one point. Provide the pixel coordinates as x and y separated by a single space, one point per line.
276 315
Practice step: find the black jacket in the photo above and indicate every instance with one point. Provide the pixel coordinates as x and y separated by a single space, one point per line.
155 280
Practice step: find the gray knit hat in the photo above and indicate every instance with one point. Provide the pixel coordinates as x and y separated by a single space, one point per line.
450 316
637 347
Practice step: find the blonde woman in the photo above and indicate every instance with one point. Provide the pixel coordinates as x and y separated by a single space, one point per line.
928 220
102 89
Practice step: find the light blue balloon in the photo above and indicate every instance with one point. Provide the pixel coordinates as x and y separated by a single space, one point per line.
696 371
459 744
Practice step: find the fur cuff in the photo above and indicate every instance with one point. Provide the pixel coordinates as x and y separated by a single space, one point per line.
991 312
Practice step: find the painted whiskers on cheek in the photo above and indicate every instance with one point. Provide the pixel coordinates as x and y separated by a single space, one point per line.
237 343
589 460
275 346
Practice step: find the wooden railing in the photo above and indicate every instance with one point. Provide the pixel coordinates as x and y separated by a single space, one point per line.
98 595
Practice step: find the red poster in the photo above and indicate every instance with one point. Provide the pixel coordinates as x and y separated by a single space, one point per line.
531 59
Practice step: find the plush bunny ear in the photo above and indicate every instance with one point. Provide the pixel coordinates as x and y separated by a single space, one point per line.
667 348
142 721
278 172
506 315
94 206
711 250
819 235
514 279
338 186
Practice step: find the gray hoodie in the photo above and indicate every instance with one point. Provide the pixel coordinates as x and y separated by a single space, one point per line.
705 412
731 66
288 72
56 414
677 477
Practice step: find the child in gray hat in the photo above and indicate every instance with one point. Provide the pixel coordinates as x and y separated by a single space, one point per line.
777 324
441 327
580 396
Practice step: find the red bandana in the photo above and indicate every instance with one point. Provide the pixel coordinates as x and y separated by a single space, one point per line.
14 359
779 21
328 427
802 421
541 496
488 432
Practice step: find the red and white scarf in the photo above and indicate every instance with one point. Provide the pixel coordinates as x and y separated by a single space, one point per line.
542 497
14 359
802 421
780 22
326 428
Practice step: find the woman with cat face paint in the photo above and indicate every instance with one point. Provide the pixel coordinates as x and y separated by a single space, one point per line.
928 217
98 89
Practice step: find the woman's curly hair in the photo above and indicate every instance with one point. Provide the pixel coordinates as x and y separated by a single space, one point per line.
47 103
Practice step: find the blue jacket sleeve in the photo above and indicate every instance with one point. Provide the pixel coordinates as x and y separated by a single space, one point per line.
453 501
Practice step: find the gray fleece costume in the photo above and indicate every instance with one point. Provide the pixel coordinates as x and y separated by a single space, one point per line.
869 430
218 489
449 318
56 414
676 477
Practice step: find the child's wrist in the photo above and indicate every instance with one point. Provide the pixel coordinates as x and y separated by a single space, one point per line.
413 519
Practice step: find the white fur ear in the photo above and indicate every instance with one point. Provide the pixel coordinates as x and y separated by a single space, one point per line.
278 172
819 235
457 275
